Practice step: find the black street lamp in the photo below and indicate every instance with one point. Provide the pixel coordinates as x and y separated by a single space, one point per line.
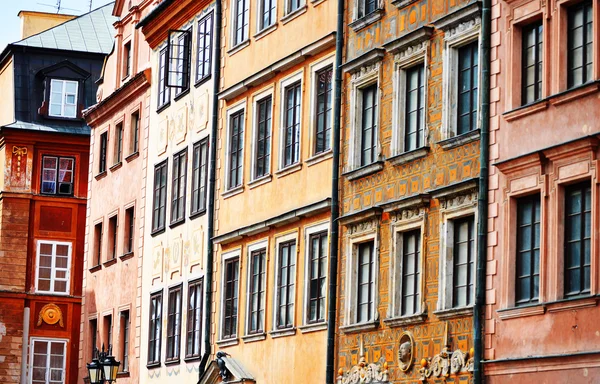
103 368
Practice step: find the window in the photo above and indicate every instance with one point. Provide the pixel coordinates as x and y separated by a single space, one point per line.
411 270
174 324
366 7
194 319
578 218
368 142
135 133
532 59
119 143
267 13
53 267
468 79
317 272
203 66
179 185
286 278
292 124
580 53
124 327
63 98
93 337
48 361
256 310
178 60
323 113
294 5
159 205
155 330
230 298
463 271
415 108
129 230
366 282
112 234
108 331
240 21
127 59
236 146
57 175
263 138
199 176
98 243
102 157
164 92
527 288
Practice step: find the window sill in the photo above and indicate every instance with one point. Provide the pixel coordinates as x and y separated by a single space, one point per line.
163 107
451 313
172 361
265 31
157 231
238 47
260 181
132 156
405 320
122 374
523 311
180 95
177 223
366 20
355 328
282 332
319 157
317 2
110 262
578 302
254 337
233 191
409 156
199 213
459 140
100 175
202 80
288 170
314 327
570 304
363 171
95 268
228 342
126 256
525 110
153 365
292 15
403 3
116 166
192 359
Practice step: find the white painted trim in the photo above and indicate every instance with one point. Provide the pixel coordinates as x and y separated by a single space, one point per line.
233 12
256 98
283 84
259 13
236 253
240 106
314 68
32 341
278 240
352 275
261 244
53 266
308 231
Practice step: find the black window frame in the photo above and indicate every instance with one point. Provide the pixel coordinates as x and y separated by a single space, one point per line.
199 177
584 264
113 230
268 12
125 340
292 124
418 112
174 307
127 59
366 7
416 296
119 143
533 225
161 189
535 31
129 239
230 298
236 137
323 109
135 132
155 329
368 155
178 187
290 286
586 75
472 50
240 34
293 6
57 183
195 313
365 266
256 291
102 154
204 37
164 92
317 278
469 286
178 60
93 323
262 153
98 233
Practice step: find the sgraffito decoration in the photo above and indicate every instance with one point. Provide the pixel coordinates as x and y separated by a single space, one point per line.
50 314
365 373
446 362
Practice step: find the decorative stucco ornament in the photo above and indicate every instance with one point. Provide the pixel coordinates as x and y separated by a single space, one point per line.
405 352
50 314
446 362
365 373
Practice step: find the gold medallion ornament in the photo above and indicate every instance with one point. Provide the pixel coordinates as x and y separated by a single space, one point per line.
51 314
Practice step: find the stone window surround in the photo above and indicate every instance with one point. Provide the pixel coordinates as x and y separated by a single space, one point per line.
362 22
239 106
231 254
255 246
297 76
409 51
565 165
282 238
256 98
308 231
460 28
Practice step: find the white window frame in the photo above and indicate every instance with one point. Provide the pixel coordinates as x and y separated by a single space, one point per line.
359 82
283 85
314 69
233 12
53 268
308 231
278 241
403 61
259 245
241 106
455 38
48 340
237 253
299 9
259 15
357 6
256 98
63 101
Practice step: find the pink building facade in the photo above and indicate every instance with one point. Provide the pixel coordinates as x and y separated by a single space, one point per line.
543 269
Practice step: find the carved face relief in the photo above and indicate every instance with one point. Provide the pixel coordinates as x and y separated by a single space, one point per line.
405 352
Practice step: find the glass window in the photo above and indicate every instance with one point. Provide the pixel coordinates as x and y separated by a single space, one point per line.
323 123
411 271
164 92
267 14
102 156
527 288
155 330
179 62
415 108
63 98
203 64
93 337
463 262
124 341
48 361
366 282
580 44
119 143
317 272
57 175
286 278
578 220
292 124
368 142
366 7
531 61
263 138
135 132
199 176
129 230
98 243
108 329
256 321
127 60
179 185
54 267
230 298
194 319
236 146
159 205
468 83
112 235
240 22
174 324
294 5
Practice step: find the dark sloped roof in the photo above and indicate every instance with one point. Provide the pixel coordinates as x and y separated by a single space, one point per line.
55 127
92 32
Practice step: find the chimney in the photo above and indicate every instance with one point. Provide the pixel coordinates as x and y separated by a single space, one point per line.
35 22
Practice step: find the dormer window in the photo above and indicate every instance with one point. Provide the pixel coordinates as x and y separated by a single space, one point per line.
63 98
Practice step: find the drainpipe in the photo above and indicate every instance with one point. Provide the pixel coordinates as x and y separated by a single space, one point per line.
25 346
482 203
335 177
211 191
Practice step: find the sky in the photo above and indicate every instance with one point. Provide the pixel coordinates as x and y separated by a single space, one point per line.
10 30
